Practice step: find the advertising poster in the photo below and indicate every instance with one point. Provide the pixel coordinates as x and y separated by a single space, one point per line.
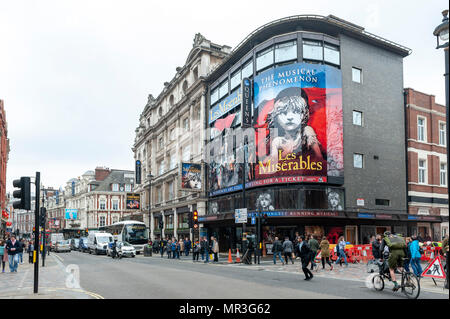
299 122
191 177
133 201
71 213
298 132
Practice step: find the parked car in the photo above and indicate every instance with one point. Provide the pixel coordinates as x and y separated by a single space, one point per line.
62 245
54 238
74 243
83 245
124 249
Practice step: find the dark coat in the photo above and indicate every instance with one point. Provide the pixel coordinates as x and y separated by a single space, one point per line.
16 246
305 254
277 247
376 251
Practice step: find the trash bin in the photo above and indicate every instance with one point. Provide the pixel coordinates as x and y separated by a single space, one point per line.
147 251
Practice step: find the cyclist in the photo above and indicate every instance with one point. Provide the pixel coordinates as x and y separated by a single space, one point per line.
396 245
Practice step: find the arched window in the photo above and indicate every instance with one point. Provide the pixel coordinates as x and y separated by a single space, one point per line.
171 100
185 86
195 72
160 111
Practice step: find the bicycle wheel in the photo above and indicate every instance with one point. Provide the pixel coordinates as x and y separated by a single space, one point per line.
378 283
411 286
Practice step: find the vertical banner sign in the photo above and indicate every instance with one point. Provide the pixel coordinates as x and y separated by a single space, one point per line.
138 172
73 188
246 105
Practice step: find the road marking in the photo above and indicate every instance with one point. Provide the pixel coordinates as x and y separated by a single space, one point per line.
60 258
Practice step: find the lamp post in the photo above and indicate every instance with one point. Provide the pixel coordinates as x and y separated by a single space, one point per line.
441 34
149 177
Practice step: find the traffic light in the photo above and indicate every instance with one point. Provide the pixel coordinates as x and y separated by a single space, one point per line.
23 193
195 218
43 217
190 221
161 223
264 220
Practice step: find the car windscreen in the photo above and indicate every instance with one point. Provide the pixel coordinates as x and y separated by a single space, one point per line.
104 239
136 234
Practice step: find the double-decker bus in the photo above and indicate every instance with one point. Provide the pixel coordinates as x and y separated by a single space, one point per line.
130 231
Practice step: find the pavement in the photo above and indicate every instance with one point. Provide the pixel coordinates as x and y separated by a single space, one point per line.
54 282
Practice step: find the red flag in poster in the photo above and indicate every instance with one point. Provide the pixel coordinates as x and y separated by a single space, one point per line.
434 269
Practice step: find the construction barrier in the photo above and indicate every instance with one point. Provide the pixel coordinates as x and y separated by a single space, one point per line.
430 252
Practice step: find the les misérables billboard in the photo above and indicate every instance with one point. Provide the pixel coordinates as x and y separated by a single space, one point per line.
133 201
298 128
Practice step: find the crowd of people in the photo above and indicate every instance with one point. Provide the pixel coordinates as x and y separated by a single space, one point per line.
173 248
12 251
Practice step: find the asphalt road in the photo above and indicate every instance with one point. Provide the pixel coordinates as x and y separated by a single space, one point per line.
154 277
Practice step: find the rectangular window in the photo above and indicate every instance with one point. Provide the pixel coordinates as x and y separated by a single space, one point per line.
235 80
358 160
357 118
286 51
186 124
312 50
102 221
356 75
115 187
422 171
331 54
186 153
159 194
443 174
173 161
102 204
247 70
264 59
442 134
421 129
382 202
223 89
172 134
161 143
214 95
161 168
115 205
170 190
128 187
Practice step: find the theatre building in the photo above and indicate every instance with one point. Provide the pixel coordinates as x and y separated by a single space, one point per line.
326 139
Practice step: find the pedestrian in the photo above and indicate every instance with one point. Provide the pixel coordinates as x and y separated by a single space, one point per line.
340 248
249 249
196 251
169 249
20 252
203 245
296 243
180 247
207 249
325 252
13 247
445 253
305 256
414 249
276 250
2 254
30 250
288 250
314 245
187 246
215 249
407 260
376 244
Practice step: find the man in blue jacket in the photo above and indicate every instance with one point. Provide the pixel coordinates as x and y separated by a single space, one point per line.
415 256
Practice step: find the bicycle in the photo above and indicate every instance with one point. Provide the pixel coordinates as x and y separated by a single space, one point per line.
410 284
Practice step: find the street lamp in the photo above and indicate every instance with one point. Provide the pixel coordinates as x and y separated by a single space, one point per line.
149 177
441 34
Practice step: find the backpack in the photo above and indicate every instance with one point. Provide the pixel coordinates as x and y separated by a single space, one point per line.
395 242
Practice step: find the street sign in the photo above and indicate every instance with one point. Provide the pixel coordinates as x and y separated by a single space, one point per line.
434 269
240 215
253 220
246 104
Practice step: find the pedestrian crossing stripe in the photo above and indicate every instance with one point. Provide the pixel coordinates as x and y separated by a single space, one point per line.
434 269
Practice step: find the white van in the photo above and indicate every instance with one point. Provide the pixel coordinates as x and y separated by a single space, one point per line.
98 242
54 238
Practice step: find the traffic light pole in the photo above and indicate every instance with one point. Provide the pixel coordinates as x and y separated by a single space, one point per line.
36 233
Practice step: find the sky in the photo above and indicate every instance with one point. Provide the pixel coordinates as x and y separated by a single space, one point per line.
75 75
